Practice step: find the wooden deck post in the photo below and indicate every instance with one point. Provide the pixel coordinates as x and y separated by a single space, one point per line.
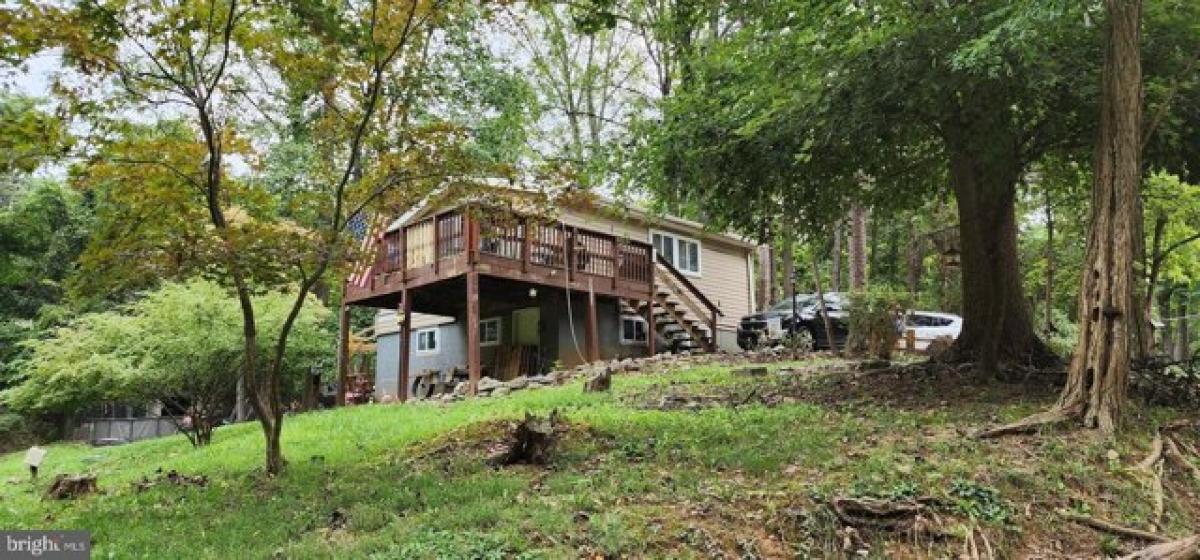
712 325
343 355
404 253
473 367
405 344
471 232
593 334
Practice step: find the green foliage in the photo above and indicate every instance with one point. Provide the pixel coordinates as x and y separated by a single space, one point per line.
29 135
979 502
875 316
1063 338
434 543
182 341
43 228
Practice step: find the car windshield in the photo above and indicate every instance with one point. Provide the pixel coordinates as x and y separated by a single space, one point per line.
802 301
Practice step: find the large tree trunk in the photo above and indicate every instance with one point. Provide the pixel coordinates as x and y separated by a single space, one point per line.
858 247
997 324
1099 374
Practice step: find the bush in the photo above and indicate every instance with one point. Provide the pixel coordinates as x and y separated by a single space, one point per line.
874 321
19 432
1063 338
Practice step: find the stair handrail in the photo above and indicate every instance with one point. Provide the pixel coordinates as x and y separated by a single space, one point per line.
712 308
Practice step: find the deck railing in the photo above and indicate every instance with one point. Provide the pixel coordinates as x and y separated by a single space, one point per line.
525 242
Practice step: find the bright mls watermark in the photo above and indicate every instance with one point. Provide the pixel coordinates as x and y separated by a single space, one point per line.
45 545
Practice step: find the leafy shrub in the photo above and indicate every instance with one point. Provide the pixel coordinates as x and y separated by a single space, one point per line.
979 502
17 431
874 321
1064 336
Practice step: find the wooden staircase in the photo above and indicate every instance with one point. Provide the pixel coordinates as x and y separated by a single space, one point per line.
683 316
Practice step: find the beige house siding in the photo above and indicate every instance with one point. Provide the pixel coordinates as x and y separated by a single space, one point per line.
724 271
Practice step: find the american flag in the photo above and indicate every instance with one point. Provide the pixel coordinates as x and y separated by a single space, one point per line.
368 231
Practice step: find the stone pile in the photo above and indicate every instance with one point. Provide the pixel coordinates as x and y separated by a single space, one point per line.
489 387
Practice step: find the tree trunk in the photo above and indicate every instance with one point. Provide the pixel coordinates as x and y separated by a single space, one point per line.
1048 302
835 271
1099 374
916 258
789 264
858 247
827 323
1183 344
1167 346
766 276
997 324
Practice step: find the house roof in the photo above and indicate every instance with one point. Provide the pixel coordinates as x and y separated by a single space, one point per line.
433 203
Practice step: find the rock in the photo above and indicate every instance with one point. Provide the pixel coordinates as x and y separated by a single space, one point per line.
517 383
750 371
501 391
487 384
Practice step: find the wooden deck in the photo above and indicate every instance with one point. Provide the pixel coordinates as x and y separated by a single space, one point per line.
454 243
457 247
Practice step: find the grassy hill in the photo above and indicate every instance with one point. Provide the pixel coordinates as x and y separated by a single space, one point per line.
699 463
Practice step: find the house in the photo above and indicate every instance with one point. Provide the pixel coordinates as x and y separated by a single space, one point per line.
496 289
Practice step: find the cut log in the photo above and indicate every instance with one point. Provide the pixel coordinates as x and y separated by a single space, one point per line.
533 442
1182 549
69 487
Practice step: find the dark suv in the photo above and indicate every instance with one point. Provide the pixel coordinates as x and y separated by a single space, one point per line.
773 325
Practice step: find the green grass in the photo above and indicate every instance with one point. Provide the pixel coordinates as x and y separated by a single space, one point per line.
627 480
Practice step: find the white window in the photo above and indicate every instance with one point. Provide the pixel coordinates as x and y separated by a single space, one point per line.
682 252
427 341
489 332
633 330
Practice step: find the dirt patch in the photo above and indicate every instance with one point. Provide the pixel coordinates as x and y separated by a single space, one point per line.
171 478
929 386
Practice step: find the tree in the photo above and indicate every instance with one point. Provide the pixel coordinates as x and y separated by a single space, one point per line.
1099 373
346 78
808 97
180 346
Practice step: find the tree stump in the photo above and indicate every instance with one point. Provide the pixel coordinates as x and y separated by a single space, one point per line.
68 487
533 442
600 382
